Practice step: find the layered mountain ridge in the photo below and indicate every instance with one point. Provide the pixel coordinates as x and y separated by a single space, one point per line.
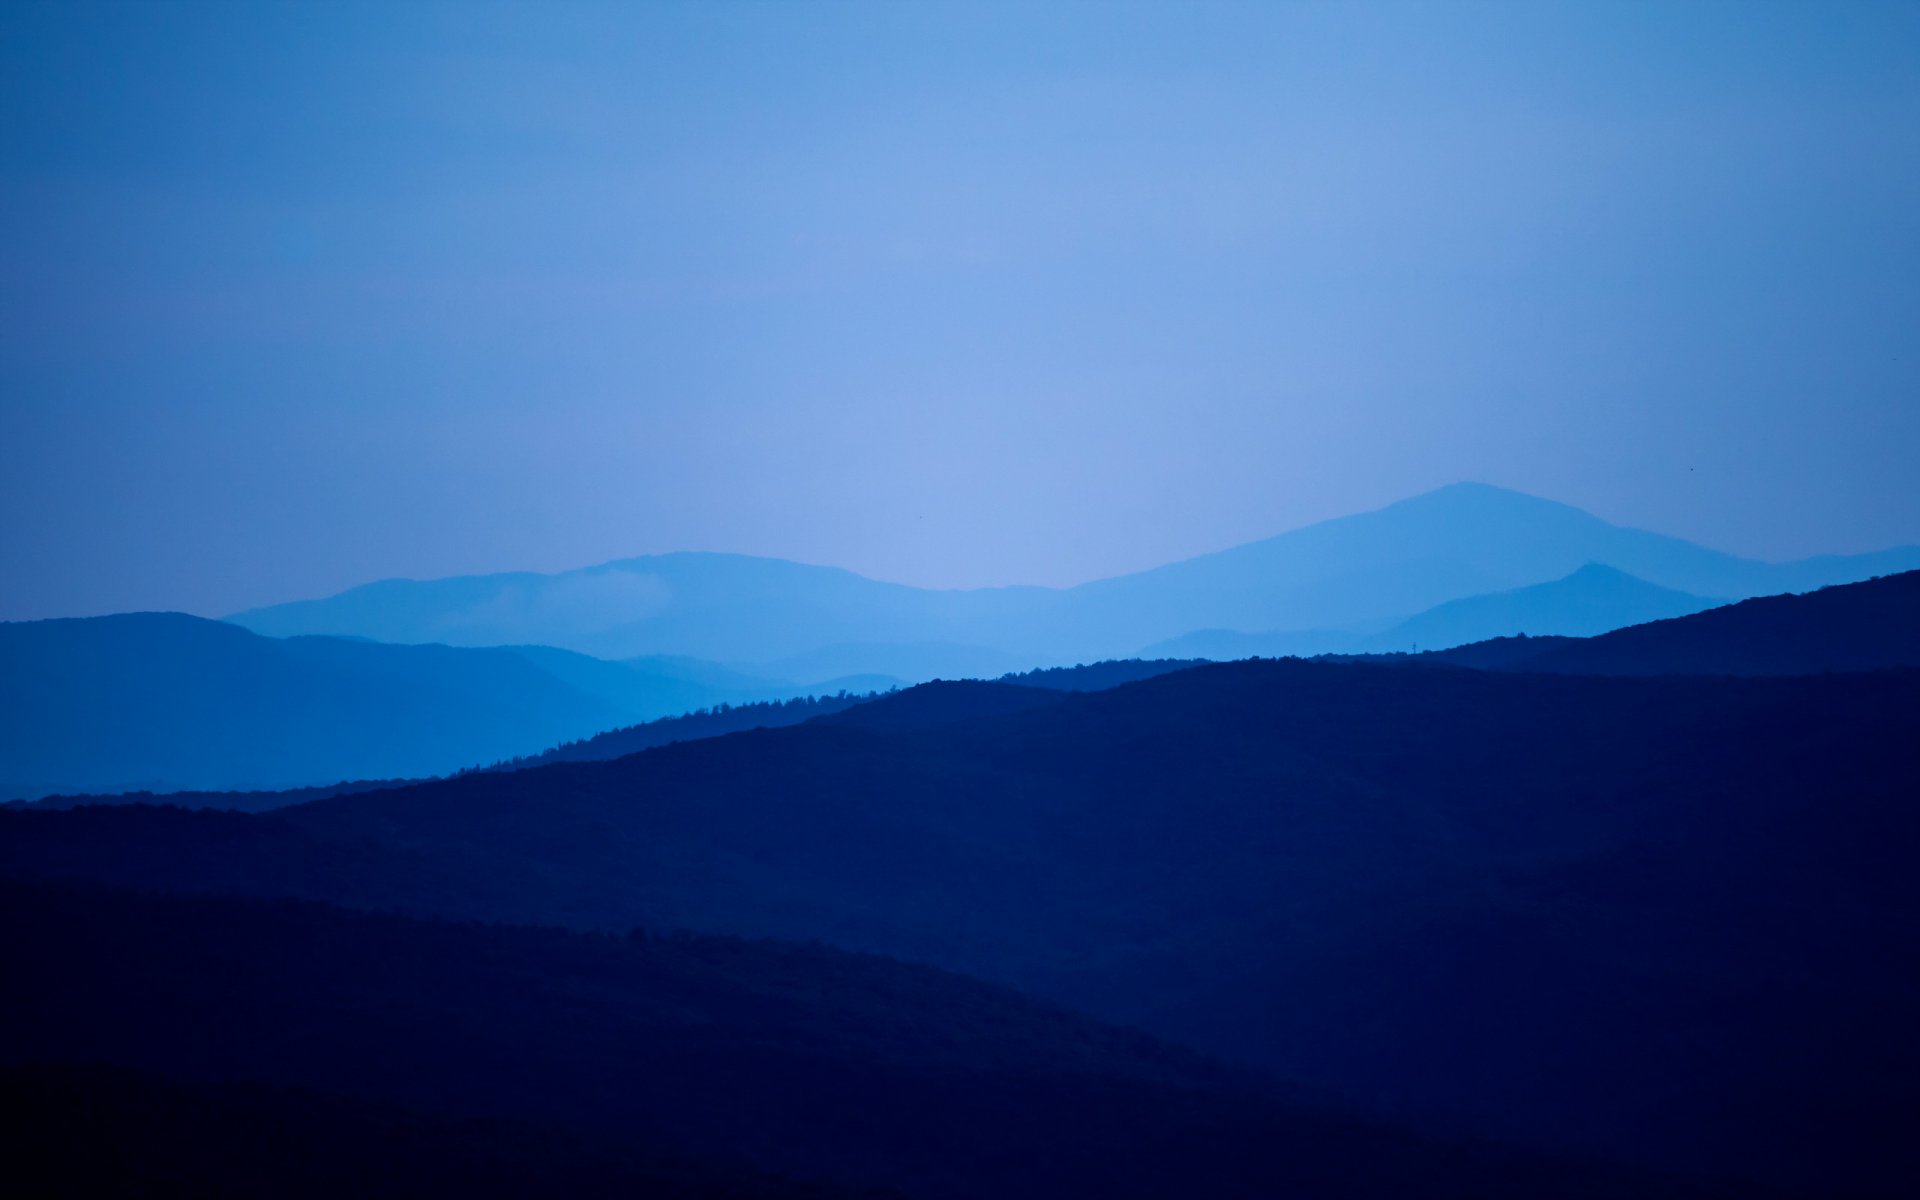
1338 579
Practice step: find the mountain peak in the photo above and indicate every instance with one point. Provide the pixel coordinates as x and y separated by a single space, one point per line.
1471 495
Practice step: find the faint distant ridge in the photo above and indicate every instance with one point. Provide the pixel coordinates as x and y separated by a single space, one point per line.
1327 586
1593 600
166 701
1850 627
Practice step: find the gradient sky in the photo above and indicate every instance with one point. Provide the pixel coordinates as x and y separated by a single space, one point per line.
299 296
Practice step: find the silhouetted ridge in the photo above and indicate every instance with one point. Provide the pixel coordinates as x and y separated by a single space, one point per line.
944 702
795 1059
1094 677
1864 626
1852 627
1638 916
714 722
717 721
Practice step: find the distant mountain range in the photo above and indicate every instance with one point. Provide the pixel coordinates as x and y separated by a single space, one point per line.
169 703
1330 586
1592 600
166 702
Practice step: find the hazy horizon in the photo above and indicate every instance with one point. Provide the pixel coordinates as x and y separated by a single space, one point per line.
303 297
616 559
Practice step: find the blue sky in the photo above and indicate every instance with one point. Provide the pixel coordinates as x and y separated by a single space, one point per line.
298 296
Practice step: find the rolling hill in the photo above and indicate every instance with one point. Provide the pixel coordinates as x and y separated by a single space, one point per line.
1660 919
655 1050
165 702
1854 627
715 721
1593 600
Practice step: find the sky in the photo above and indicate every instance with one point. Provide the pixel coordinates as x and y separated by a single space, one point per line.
297 296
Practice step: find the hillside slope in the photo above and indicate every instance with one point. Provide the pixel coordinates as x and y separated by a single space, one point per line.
1856 627
797 1060
1258 858
1593 600
167 701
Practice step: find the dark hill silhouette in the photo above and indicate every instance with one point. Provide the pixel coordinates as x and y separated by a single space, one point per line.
1506 898
1095 677
87 1131
1361 573
944 702
616 743
794 1059
229 801
1494 654
689 727
1853 627
725 719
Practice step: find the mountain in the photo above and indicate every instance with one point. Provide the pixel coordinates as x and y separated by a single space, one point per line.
797 1060
164 700
1096 677
169 702
1852 627
647 689
1664 919
715 721
893 662
651 687
1492 655
1358 574
1592 600
1226 645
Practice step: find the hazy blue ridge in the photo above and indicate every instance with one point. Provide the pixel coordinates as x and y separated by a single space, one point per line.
168 701
1592 600
1354 575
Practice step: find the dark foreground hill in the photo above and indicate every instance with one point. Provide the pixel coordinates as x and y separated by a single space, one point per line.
1863 626
1850 627
1666 918
84 1131
798 1060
